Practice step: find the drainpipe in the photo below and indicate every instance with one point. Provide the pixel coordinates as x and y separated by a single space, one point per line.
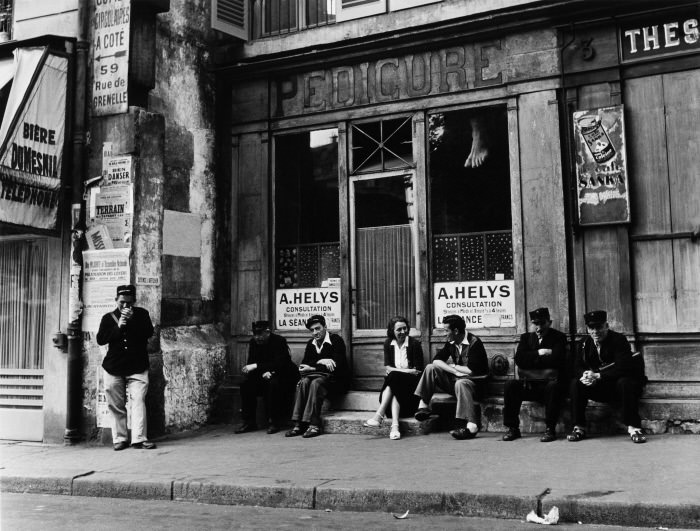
74 393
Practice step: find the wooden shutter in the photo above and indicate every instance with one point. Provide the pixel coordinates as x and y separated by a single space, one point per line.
230 17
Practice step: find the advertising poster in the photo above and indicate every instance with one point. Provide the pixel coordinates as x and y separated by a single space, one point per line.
601 166
483 304
111 57
32 137
103 271
295 306
117 170
114 210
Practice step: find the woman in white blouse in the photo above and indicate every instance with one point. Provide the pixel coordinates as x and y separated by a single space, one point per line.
403 358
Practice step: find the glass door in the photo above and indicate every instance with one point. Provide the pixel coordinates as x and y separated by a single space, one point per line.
383 248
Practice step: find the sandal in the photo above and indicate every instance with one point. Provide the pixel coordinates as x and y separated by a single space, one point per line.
394 434
374 422
576 435
638 437
312 431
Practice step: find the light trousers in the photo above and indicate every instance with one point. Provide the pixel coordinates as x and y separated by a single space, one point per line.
117 388
463 389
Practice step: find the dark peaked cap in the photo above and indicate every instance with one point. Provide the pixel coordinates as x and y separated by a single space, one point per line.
540 314
596 317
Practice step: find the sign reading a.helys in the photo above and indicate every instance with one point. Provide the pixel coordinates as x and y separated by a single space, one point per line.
482 304
111 56
295 306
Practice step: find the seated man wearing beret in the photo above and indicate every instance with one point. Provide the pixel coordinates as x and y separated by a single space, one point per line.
541 360
270 373
323 371
604 370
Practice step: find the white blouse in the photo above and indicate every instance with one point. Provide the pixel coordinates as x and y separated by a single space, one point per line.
400 354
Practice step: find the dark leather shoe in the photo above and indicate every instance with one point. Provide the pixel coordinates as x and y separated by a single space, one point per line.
423 414
548 436
295 432
245 428
312 431
120 446
144 445
462 434
272 428
512 434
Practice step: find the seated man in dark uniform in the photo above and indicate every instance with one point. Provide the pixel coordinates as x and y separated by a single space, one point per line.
324 371
270 372
604 370
541 358
459 368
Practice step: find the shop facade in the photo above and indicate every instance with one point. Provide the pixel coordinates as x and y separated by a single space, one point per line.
445 174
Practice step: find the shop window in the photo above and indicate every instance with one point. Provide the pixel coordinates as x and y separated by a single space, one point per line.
306 209
470 210
382 145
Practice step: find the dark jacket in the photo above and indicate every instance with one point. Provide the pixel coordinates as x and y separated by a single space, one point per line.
414 353
614 361
272 356
477 361
335 351
527 357
127 352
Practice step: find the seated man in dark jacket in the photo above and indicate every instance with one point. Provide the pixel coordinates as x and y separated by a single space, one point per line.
543 352
460 368
324 370
270 372
604 370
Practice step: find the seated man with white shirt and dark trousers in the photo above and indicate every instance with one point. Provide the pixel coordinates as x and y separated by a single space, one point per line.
459 368
324 371
606 371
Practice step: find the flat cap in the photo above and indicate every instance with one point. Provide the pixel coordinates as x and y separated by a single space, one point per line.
596 318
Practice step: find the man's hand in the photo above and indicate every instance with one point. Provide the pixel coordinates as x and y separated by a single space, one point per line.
249 368
589 378
304 368
126 314
545 351
267 375
461 370
328 363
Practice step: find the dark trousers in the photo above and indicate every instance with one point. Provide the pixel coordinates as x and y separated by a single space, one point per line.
551 394
308 400
626 390
276 393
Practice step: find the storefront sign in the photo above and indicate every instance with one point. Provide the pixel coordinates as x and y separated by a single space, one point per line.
103 271
295 306
110 56
114 210
671 34
484 304
32 136
601 166
453 69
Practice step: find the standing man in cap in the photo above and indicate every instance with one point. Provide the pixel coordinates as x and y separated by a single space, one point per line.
269 372
126 330
541 358
605 371
323 371
460 368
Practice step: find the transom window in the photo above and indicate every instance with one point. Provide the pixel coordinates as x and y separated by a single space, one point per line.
382 145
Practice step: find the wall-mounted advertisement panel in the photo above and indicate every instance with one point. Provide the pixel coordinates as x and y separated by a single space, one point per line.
482 304
103 271
110 88
601 166
295 306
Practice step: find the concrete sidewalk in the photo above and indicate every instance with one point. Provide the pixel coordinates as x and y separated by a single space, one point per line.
606 480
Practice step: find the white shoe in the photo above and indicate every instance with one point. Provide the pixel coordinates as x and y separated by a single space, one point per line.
394 434
374 422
